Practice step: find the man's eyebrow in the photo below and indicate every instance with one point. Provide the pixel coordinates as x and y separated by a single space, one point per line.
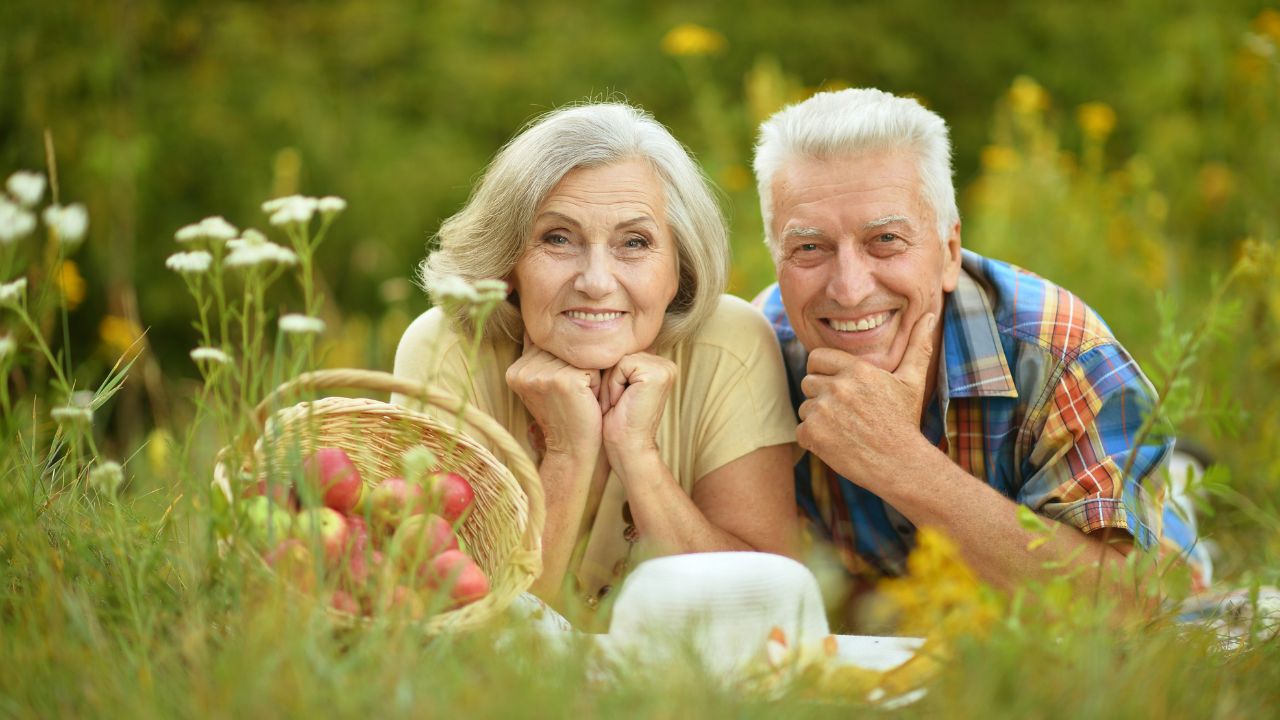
886 220
803 232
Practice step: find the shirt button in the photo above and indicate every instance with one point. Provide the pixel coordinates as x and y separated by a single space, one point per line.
604 591
630 534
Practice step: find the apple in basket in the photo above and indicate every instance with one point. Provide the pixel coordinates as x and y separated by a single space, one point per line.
393 499
292 561
334 478
420 537
266 523
327 524
458 573
455 493
358 550
280 492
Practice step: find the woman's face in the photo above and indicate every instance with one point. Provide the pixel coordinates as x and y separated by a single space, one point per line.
600 267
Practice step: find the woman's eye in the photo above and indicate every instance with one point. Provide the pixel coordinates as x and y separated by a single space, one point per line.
636 243
555 239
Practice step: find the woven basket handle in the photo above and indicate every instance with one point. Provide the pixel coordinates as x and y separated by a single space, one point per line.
376 381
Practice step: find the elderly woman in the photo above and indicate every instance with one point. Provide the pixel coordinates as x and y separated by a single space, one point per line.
655 407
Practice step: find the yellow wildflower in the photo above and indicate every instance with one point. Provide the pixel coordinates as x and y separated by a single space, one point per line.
1026 96
1217 183
999 158
1096 119
70 284
688 39
118 334
940 597
159 451
1268 23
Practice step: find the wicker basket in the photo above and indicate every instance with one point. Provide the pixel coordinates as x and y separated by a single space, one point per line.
503 531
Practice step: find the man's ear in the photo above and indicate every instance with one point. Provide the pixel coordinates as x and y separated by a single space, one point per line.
951 259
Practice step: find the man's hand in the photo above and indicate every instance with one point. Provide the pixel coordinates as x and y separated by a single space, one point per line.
564 400
633 398
858 418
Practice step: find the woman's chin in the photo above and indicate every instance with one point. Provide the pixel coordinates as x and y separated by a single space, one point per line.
594 360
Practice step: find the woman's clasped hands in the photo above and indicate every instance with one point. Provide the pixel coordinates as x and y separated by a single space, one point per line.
582 412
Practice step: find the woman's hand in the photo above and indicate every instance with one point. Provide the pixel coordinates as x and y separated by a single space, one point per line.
632 398
564 401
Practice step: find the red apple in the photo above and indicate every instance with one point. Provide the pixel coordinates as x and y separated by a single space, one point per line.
394 499
357 550
333 476
421 537
291 560
455 571
327 525
404 600
342 601
455 494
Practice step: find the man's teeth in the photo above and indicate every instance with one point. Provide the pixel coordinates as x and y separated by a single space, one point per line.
867 323
593 317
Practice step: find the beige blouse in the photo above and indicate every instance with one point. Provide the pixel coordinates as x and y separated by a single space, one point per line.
730 399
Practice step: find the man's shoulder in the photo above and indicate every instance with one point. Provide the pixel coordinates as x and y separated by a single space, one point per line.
769 303
1032 310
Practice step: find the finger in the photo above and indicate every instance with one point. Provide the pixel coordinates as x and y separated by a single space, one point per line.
805 409
914 368
813 385
616 382
829 361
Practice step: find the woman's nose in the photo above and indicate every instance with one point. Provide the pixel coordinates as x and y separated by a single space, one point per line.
595 277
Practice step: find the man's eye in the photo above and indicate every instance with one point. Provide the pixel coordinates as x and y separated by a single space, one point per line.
807 247
886 237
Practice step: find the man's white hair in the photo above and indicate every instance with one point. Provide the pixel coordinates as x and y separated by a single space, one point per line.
853 122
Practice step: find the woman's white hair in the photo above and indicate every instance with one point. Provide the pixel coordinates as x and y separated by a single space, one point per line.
488 236
851 122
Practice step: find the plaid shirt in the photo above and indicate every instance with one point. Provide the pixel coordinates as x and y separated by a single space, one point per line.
1034 396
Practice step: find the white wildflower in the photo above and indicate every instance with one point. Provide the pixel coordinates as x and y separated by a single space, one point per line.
26 187
14 222
69 223
296 324
210 354
71 415
7 346
213 228
106 477
192 263
12 293
490 290
331 204
250 254
451 288
290 210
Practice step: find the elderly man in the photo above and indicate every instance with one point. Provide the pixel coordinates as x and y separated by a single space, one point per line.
936 387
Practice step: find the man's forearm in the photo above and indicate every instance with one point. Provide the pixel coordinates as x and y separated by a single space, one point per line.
930 490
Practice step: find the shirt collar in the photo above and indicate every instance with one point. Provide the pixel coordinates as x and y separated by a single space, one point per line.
974 362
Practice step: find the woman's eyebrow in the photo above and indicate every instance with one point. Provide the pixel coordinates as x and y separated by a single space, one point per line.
638 220
558 216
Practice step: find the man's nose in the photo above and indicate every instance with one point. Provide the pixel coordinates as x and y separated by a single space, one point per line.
851 279
595 276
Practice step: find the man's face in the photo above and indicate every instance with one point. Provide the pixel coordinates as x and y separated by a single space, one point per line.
860 259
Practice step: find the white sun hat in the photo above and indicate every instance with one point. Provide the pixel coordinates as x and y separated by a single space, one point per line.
724 607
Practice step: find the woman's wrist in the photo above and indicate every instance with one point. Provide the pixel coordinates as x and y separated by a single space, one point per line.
635 461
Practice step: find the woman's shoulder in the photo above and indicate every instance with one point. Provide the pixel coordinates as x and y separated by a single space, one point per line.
737 328
431 327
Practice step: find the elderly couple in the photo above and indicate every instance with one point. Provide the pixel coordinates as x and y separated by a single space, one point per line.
930 386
